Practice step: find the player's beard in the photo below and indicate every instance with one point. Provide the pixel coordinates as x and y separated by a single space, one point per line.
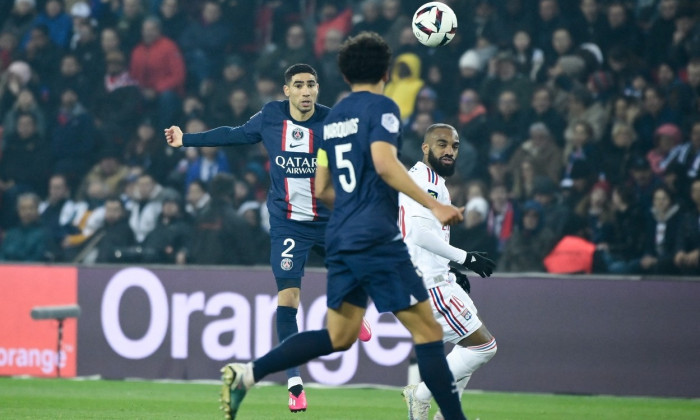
442 169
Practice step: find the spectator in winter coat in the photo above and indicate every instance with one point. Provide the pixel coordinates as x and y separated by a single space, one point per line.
661 232
158 67
666 138
59 212
74 140
203 41
687 257
146 206
405 83
218 235
58 22
530 243
211 162
115 236
171 233
28 241
622 252
545 155
26 103
20 18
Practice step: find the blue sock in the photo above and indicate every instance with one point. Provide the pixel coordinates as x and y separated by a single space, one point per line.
434 371
287 326
294 351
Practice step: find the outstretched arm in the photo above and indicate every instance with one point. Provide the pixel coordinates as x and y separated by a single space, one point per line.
426 238
220 136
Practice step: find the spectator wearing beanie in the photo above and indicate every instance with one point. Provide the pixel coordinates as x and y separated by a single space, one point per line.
470 71
473 232
666 137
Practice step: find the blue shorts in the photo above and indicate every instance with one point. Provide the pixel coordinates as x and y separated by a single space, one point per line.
290 244
384 273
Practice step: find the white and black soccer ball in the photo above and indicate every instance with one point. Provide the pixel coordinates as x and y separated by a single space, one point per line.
434 24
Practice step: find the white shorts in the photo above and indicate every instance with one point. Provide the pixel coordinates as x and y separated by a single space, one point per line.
454 310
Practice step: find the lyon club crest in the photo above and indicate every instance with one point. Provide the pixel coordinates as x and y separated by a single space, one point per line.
297 134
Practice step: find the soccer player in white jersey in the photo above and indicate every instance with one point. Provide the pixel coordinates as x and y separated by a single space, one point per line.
428 243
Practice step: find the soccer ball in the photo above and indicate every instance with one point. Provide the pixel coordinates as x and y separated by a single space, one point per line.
434 24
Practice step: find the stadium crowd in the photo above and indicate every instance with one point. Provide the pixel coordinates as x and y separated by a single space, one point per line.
579 121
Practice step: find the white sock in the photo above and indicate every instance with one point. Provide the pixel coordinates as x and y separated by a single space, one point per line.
463 361
248 379
293 381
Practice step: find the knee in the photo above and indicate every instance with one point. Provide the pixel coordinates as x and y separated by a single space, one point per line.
492 351
344 345
342 340
288 297
486 351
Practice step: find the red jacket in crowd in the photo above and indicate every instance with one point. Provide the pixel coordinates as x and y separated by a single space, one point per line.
158 66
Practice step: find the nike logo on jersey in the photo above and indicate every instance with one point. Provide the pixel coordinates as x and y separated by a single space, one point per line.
292 146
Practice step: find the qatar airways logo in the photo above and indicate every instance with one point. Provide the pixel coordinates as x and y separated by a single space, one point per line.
296 165
340 129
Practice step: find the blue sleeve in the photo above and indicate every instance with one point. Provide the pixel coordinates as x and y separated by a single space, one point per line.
248 133
386 123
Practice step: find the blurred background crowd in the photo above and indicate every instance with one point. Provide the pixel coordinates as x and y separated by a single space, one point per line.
579 121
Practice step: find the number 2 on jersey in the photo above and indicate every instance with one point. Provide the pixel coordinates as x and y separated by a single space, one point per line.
348 182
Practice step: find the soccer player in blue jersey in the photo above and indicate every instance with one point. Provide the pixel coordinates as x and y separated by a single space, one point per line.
358 174
289 131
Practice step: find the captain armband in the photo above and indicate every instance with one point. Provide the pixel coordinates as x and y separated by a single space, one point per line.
322 158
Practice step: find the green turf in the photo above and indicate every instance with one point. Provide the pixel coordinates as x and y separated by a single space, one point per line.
73 399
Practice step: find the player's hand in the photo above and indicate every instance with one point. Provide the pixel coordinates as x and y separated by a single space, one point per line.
173 136
462 279
448 215
479 263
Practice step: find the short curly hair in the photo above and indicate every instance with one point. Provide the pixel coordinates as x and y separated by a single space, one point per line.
364 58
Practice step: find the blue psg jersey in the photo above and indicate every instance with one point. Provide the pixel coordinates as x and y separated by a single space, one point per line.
291 146
366 208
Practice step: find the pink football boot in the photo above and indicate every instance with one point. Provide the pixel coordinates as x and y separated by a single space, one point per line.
365 331
297 404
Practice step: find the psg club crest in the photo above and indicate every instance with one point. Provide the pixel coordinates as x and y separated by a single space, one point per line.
297 134
286 264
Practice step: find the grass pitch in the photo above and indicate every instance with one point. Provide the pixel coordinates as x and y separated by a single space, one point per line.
101 399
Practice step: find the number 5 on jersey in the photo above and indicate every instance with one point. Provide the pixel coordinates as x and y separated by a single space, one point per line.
348 182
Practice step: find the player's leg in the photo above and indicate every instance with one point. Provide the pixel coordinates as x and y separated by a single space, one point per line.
394 284
470 354
289 248
365 333
238 378
430 352
474 345
343 324
344 319
286 319
464 359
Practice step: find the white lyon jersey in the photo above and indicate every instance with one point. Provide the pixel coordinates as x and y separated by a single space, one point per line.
432 265
452 306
